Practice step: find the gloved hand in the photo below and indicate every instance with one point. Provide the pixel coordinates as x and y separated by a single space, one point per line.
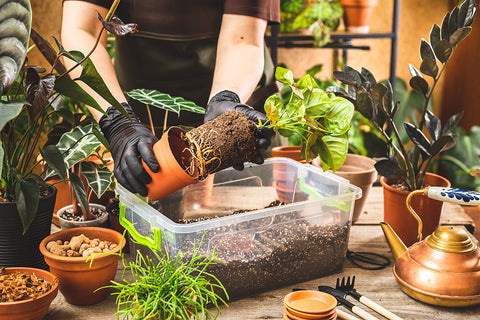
226 101
130 142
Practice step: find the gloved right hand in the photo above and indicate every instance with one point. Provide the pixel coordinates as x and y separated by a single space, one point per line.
130 142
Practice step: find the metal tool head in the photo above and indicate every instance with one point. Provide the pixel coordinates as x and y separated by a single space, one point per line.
334 292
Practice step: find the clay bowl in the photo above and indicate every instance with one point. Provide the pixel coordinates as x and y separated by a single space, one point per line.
32 309
310 302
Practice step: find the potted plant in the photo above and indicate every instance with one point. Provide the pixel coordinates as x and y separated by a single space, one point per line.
166 287
87 176
320 118
29 98
403 169
26 293
357 13
317 17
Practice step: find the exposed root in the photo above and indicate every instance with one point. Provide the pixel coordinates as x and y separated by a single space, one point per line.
199 155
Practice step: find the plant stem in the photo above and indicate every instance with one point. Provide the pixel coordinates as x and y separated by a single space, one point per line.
150 120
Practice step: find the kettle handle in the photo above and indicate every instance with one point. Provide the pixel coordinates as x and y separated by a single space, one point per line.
453 195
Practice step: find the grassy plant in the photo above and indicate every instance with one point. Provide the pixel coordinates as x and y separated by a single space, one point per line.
172 288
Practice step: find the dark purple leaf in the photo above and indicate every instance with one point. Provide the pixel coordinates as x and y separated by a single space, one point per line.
452 122
434 127
389 168
419 84
348 76
453 21
444 29
443 50
429 67
418 138
368 76
47 51
38 91
443 143
435 35
117 27
426 50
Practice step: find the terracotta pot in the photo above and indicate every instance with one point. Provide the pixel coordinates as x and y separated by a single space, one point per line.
396 214
174 158
289 194
31 309
361 172
101 221
78 281
357 13
292 152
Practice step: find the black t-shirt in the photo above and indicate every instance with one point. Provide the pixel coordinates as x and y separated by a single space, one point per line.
174 49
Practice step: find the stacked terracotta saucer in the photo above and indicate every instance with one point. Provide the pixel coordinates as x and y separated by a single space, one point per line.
309 304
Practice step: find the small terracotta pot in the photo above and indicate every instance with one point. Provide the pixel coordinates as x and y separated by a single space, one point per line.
361 172
396 214
288 194
174 158
357 13
31 309
101 221
292 152
78 281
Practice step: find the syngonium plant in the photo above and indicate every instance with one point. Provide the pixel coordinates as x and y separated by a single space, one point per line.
30 104
376 102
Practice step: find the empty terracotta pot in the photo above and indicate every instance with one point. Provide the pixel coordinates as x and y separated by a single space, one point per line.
357 13
78 280
361 172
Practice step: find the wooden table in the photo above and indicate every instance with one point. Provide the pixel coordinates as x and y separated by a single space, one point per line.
378 285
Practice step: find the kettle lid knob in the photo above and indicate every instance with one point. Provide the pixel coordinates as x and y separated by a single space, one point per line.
451 239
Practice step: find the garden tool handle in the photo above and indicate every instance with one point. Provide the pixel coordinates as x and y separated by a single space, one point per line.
378 308
346 316
453 195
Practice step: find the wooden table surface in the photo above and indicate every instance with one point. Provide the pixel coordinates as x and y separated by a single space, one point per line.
378 285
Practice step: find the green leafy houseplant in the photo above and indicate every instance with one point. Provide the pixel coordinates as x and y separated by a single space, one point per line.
31 99
321 119
172 288
322 15
376 102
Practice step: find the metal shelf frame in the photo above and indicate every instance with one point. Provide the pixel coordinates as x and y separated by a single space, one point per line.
339 41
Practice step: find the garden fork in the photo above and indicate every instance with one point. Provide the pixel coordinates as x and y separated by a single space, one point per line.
348 287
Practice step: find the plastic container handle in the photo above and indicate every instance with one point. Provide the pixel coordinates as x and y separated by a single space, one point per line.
137 237
454 195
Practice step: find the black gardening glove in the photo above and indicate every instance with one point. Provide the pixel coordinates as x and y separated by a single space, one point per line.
225 101
130 142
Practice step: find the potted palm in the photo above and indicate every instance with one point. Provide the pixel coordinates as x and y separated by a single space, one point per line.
405 166
29 106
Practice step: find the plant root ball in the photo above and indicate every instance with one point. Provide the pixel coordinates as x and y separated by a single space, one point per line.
223 142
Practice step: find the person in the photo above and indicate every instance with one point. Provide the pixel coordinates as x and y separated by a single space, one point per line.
210 52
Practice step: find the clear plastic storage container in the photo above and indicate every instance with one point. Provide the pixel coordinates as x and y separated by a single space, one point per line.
264 244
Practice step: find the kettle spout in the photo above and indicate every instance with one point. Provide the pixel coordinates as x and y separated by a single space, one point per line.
396 245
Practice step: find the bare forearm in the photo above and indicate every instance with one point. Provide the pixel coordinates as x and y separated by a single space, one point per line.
240 56
83 38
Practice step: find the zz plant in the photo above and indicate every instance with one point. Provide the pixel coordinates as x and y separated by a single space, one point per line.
376 102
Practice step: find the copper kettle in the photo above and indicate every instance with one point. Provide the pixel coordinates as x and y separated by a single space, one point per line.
443 269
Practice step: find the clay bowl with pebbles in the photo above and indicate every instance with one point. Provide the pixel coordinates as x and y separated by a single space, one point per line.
26 293
80 278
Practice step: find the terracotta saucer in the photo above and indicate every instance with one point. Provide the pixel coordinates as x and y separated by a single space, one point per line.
309 301
294 314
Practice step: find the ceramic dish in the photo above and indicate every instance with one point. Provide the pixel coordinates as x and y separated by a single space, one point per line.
309 301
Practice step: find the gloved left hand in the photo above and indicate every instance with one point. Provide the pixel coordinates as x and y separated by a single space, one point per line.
225 101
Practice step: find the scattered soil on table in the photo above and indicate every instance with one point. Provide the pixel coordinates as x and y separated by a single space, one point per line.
80 246
223 142
71 216
21 286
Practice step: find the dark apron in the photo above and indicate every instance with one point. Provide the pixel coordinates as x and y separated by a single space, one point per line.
178 61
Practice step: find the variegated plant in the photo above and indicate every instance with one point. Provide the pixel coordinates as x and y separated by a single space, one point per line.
31 103
77 146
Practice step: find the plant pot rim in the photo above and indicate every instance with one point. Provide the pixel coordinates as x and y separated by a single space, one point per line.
70 206
386 185
43 274
67 234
